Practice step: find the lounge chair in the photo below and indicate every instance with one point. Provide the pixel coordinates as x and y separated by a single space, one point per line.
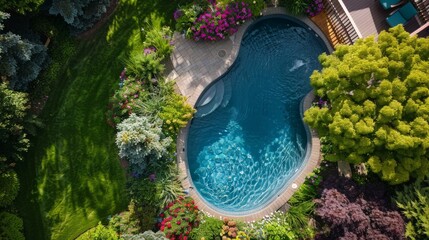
388 4
402 15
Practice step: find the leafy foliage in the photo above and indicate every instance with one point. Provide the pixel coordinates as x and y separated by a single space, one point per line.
413 200
11 227
20 6
256 6
145 66
378 104
100 232
126 222
21 59
356 212
9 186
276 231
231 230
175 114
80 15
208 228
160 39
296 7
147 235
13 140
141 141
179 217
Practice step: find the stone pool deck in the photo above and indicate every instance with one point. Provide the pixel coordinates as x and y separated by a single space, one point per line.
195 66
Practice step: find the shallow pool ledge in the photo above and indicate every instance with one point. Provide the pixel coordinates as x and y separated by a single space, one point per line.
196 65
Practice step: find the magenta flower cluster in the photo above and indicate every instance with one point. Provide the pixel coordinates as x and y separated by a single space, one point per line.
218 23
314 7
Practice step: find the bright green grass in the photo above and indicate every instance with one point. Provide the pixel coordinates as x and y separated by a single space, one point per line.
72 178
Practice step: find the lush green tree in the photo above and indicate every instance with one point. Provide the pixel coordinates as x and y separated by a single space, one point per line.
10 227
20 6
21 59
80 15
100 232
378 104
413 201
141 141
13 140
9 186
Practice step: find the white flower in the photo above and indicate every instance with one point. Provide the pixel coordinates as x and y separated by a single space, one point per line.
254 2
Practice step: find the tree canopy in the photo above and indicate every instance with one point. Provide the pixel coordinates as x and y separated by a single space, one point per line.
82 14
378 104
13 140
21 59
20 6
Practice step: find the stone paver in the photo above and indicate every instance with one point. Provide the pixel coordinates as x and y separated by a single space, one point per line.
196 65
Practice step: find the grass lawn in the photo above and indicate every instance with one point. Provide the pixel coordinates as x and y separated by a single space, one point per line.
72 178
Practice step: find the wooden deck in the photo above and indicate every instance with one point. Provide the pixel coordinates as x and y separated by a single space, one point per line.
370 17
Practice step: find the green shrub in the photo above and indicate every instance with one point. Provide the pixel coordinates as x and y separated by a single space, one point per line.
11 227
179 217
413 200
160 39
175 114
126 100
208 229
9 186
145 66
99 232
126 222
256 6
296 7
147 235
275 231
186 15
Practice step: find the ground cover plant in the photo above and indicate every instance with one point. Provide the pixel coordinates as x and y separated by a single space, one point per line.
377 111
414 203
347 210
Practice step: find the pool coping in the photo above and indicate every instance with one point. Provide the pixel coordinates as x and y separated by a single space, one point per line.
193 95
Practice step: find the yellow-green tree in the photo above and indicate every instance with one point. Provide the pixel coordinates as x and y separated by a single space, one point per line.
378 111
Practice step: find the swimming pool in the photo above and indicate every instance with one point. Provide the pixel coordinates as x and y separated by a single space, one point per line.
247 140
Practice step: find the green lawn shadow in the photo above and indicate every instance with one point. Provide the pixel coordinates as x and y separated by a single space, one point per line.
71 178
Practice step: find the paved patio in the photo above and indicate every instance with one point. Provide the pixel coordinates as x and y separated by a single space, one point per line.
195 66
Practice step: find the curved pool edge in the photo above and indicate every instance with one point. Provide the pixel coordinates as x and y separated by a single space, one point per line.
311 161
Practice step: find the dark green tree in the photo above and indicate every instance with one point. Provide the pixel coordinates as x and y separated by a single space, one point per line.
9 186
378 111
21 60
20 6
80 15
13 140
10 227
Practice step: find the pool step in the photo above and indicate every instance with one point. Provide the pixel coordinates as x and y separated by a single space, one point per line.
227 93
211 99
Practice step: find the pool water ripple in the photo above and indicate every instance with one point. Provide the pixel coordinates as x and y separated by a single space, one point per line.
243 152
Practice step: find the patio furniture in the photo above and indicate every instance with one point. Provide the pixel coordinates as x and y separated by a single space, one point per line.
402 15
388 4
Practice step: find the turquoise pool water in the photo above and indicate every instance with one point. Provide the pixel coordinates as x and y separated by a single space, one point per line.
247 139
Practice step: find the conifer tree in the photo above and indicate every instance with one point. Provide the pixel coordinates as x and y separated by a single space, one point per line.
82 14
378 104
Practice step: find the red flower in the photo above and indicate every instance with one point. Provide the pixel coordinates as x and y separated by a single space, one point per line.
162 228
161 215
178 222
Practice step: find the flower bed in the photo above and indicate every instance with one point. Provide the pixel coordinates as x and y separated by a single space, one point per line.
213 24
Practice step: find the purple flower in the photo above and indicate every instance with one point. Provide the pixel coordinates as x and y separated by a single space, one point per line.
177 14
152 177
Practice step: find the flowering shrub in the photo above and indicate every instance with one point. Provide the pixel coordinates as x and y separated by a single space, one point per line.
125 101
256 6
230 230
158 41
218 23
179 217
314 7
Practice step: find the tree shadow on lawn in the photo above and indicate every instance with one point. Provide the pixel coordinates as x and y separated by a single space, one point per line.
79 178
